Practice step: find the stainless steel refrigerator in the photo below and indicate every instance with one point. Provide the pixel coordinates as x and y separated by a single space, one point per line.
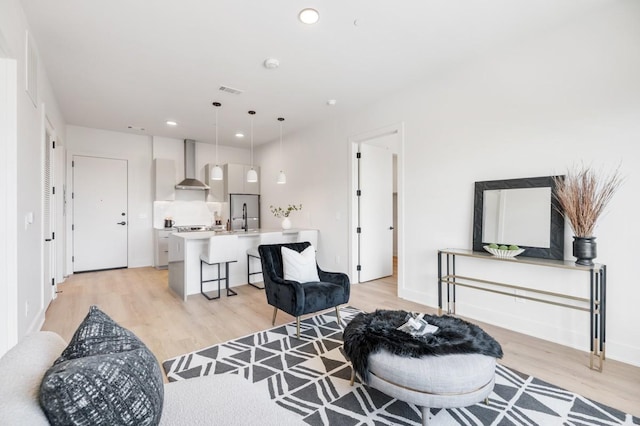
245 211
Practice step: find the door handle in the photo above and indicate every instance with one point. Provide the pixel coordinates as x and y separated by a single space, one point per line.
121 223
391 228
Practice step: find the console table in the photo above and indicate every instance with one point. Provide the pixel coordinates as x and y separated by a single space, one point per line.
595 304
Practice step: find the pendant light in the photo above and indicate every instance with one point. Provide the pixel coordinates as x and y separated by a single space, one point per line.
252 175
216 172
282 178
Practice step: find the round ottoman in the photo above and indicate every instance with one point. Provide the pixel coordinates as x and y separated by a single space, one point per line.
439 379
446 381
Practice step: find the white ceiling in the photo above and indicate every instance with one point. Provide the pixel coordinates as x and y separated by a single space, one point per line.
117 63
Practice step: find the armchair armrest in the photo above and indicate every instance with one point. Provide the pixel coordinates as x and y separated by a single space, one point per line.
337 278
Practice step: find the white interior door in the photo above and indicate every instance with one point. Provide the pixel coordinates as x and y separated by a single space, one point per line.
375 181
100 217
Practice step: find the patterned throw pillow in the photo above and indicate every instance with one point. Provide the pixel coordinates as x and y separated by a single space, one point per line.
106 376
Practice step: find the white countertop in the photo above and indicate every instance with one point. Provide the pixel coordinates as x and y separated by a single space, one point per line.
200 235
186 249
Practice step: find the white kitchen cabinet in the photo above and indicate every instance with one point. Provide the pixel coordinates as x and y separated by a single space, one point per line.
216 187
161 250
165 179
235 180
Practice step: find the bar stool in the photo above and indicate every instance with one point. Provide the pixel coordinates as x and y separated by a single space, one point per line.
221 249
252 252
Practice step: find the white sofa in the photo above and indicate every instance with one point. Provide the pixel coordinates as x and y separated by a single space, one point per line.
220 399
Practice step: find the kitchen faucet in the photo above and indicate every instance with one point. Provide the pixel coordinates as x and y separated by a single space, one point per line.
245 222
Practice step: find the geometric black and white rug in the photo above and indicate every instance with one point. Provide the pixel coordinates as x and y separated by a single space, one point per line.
310 377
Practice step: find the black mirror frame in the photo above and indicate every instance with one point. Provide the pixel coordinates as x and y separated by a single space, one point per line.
556 231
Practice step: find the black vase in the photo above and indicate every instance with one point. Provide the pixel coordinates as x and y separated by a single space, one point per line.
584 250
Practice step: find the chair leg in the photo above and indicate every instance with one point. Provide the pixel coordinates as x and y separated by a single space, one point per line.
275 311
425 415
338 316
226 279
353 376
249 273
202 282
298 326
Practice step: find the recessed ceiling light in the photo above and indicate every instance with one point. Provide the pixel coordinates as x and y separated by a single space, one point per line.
171 123
271 63
309 16
239 135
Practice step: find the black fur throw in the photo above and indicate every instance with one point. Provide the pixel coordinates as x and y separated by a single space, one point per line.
369 332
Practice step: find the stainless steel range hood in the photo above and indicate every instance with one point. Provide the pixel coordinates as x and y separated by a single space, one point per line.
190 181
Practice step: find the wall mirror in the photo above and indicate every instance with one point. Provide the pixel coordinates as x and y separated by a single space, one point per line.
523 212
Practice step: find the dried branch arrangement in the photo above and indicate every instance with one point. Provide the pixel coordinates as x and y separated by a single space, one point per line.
583 195
279 212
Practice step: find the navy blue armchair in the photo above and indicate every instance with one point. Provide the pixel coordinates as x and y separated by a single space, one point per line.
297 298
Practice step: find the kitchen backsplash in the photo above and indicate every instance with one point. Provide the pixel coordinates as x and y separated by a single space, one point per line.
188 212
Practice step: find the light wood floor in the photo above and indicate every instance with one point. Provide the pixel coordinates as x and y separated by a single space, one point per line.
140 300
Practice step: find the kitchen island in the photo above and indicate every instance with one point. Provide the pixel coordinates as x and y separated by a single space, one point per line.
185 249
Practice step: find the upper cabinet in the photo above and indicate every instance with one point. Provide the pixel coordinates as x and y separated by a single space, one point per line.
235 180
165 179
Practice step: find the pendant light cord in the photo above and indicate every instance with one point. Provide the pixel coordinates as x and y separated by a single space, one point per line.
281 146
252 141
280 119
217 137
217 105
252 114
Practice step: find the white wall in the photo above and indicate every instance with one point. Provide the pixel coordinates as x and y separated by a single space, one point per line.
531 108
136 149
316 164
26 150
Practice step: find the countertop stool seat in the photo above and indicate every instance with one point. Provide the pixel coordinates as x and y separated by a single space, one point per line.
221 249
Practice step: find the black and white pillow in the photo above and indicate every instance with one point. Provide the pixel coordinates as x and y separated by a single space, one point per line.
105 376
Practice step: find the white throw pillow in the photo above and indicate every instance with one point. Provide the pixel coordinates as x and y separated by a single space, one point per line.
300 267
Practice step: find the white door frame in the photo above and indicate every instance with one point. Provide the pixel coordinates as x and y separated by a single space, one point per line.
49 291
397 128
8 199
61 210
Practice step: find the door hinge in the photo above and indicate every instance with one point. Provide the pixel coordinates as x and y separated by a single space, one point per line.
358 192
73 195
53 190
73 227
53 144
358 230
358 268
358 155
73 163
53 235
53 282
73 258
